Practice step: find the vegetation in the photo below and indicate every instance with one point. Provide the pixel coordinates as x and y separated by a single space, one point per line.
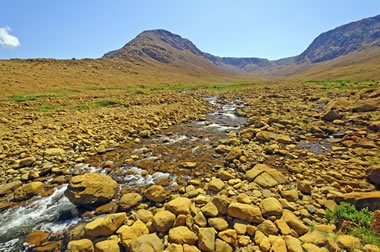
344 84
347 212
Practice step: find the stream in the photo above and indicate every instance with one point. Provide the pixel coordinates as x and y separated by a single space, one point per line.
154 160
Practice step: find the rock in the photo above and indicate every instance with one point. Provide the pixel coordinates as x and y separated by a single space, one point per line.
283 227
84 245
206 239
265 176
216 185
163 220
174 248
188 165
129 233
245 212
36 238
268 227
210 210
180 205
91 189
290 195
105 226
182 235
222 246
221 203
107 246
271 207
7 188
145 243
374 175
279 245
305 186
265 245
234 153
375 223
129 200
293 244
229 236
361 199
28 191
293 222
54 151
144 133
219 224
28 161
310 247
331 115
315 237
348 242
365 106
143 215
156 193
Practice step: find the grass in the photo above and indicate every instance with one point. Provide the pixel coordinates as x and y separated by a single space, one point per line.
347 212
187 87
98 104
29 97
344 84
49 107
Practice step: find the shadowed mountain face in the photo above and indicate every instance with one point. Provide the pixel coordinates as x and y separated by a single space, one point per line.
167 48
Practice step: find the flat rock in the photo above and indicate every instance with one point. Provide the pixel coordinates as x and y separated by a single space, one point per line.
105 225
7 188
271 207
182 235
84 245
245 212
361 199
129 200
91 189
148 242
28 191
156 193
180 205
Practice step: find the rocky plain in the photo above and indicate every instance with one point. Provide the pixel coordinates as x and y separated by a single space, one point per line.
264 184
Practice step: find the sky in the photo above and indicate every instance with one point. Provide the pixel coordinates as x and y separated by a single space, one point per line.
270 29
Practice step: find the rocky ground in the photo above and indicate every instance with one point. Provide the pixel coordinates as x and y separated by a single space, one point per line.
301 151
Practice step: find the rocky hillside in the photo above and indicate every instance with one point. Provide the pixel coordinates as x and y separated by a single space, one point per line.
168 48
343 40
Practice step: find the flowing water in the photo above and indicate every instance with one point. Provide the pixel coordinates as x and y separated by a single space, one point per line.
158 162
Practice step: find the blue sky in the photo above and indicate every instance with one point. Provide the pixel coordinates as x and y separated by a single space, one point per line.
89 28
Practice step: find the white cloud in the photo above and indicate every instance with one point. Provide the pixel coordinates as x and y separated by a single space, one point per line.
7 40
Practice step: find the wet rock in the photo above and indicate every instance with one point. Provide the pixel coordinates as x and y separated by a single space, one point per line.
148 242
36 238
206 239
129 200
107 246
163 220
245 212
182 235
156 193
91 189
293 222
105 226
180 205
7 188
271 207
28 191
84 245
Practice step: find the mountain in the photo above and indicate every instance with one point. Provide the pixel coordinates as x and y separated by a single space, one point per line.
163 47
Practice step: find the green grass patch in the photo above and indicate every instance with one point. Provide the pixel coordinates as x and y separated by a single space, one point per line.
49 107
362 218
98 104
29 97
344 84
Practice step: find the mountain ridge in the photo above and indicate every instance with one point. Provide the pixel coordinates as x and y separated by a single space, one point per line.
168 48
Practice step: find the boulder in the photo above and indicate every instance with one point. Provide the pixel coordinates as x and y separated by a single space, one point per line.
182 235
91 189
305 186
54 151
148 242
293 222
268 227
105 226
219 224
210 210
374 175
180 205
230 236
28 161
216 185
348 242
293 244
265 176
28 191
163 220
129 233
245 212
84 245
156 193
129 200
221 245
221 203
331 115
107 246
271 207
206 239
